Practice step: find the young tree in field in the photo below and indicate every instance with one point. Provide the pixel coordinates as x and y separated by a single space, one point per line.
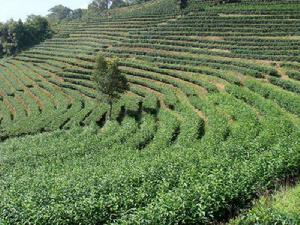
110 83
183 4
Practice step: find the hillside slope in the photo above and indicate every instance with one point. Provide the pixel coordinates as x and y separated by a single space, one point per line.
198 53
210 122
282 208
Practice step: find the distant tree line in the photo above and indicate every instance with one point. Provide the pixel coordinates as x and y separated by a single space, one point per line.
110 4
62 13
16 35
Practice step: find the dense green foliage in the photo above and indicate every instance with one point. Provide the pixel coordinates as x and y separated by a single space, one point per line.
282 208
100 5
209 123
60 13
16 35
109 81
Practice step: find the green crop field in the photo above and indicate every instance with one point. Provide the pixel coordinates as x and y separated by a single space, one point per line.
282 208
211 121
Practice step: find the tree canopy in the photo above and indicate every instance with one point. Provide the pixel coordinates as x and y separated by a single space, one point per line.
100 4
110 83
110 4
183 4
16 35
60 12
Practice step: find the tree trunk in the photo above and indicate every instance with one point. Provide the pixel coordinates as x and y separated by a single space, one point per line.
110 111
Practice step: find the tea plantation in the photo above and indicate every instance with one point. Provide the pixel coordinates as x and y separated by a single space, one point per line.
211 121
282 208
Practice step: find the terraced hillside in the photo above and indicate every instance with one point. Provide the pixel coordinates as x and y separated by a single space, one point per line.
282 208
210 122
